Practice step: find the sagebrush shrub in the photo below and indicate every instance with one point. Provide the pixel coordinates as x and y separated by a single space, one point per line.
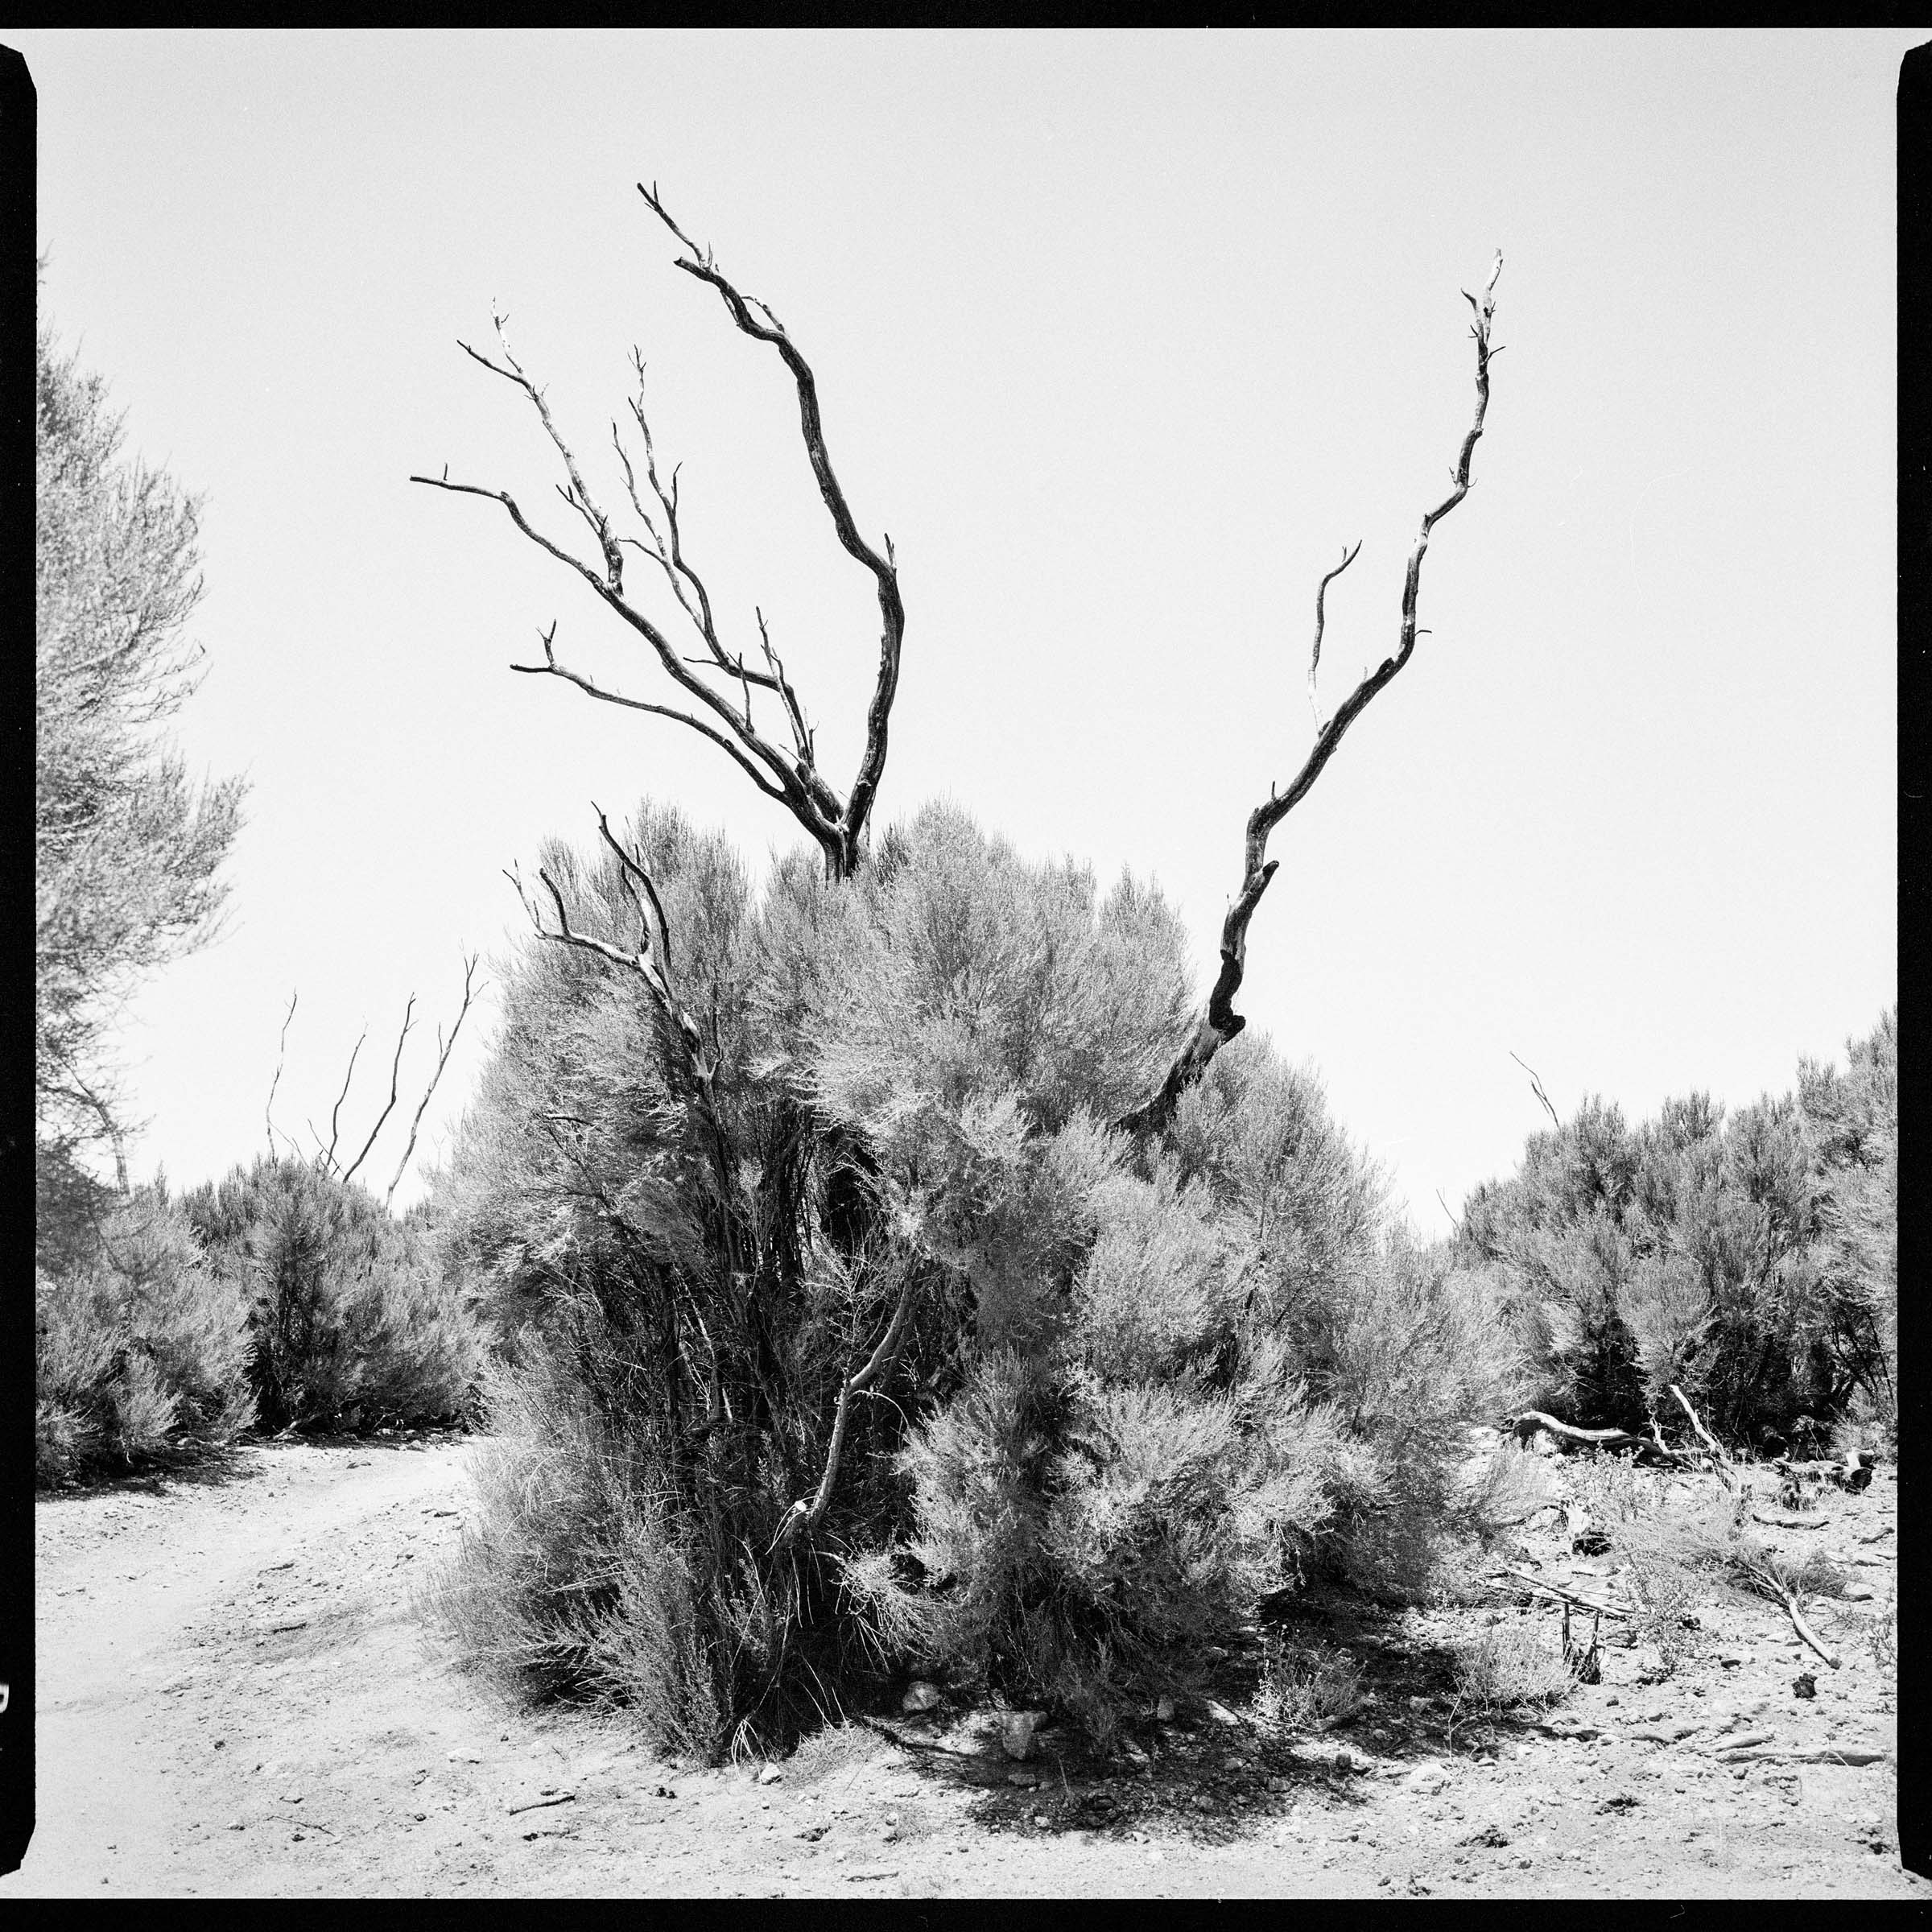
1751 1262
1131 1392
351 1320
140 1347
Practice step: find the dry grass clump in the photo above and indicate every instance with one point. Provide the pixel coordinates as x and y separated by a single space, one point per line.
841 1747
1507 1669
1667 1594
1508 1486
1304 1685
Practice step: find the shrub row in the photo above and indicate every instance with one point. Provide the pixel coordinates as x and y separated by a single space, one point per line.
1752 1262
281 1297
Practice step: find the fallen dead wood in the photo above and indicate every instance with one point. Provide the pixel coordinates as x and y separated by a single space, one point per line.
1853 1475
1570 1438
912 1744
540 1804
1522 1581
1697 1423
1805 1630
1853 1755
1743 1741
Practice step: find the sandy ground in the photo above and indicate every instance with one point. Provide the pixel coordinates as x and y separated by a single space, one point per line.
239 1697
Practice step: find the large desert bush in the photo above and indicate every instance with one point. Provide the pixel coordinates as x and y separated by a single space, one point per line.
140 1347
1751 1262
351 1321
850 1339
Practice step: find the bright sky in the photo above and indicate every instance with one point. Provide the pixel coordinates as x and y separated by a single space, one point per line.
1121 337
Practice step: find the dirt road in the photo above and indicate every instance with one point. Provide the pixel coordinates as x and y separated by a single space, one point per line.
238 1697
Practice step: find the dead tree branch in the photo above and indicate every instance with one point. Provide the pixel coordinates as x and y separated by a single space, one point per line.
684 1027
722 714
1697 1423
1536 1087
268 1110
329 1156
1569 1438
470 990
803 1517
1321 594
1220 1023
395 1070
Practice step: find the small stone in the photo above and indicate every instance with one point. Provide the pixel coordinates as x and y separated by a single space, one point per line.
770 1775
1804 1685
919 1697
1017 1729
1163 1710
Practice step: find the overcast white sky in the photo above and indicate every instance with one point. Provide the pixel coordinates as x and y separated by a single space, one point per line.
1121 337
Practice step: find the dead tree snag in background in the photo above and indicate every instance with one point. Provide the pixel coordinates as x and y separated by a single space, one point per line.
324 1157
1219 1023
721 683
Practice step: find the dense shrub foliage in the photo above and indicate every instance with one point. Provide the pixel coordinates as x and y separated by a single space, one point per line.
281 1297
1117 1397
350 1322
141 1348
1753 1262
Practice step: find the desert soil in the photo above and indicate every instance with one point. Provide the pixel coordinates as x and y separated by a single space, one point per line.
239 1695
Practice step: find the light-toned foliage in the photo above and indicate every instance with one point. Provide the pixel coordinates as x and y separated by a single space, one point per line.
141 1348
126 848
1751 1262
1137 1390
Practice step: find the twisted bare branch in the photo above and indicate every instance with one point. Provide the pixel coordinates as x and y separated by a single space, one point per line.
803 1517
1220 1023
1321 594
699 263
791 778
